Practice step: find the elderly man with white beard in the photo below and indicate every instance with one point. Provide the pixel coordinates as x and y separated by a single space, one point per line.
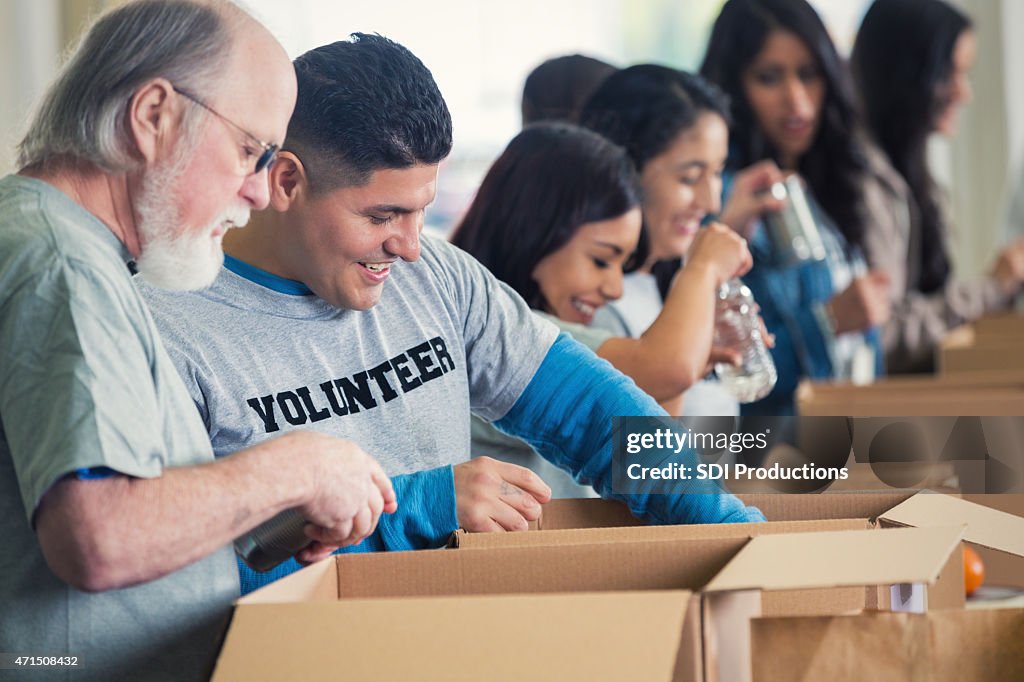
116 520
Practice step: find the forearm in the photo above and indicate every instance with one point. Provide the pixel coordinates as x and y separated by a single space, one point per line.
673 353
120 531
920 321
566 414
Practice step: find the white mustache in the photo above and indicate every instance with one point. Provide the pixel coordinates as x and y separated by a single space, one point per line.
236 216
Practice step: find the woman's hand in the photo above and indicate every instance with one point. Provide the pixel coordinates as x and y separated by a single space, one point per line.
863 304
751 197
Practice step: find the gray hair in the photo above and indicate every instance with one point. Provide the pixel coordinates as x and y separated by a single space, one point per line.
84 114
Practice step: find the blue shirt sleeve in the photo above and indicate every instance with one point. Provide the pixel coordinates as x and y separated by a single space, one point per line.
425 518
566 413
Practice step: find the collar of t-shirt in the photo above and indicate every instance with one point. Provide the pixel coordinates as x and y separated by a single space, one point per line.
266 279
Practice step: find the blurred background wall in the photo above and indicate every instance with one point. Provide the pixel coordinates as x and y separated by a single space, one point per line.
480 51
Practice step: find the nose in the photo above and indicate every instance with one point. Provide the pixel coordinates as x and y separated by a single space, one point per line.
404 240
611 287
708 194
256 190
797 97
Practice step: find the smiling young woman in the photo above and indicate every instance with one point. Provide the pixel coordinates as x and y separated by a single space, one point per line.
558 218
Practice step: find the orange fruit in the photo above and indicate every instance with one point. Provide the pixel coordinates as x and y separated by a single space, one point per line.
974 571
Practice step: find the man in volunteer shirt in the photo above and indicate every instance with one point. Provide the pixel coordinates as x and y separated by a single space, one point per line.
334 313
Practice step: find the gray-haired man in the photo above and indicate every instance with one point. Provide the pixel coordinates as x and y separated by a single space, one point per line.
115 519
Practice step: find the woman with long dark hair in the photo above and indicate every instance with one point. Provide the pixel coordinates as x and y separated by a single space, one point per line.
910 63
674 126
792 106
557 218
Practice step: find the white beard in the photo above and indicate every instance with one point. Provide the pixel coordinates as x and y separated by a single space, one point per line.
171 258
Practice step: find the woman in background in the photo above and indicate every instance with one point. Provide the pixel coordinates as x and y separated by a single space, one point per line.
675 127
792 108
557 218
910 63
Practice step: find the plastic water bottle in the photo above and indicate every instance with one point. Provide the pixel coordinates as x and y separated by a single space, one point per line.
738 327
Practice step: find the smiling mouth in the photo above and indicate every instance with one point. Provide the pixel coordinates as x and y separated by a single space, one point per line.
376 268
688 227
585 309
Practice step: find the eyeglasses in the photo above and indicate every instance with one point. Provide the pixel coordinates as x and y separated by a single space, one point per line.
269 153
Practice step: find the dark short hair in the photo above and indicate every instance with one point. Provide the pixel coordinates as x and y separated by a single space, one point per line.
644 108
902 57
558 88
551 179
363 105
835 166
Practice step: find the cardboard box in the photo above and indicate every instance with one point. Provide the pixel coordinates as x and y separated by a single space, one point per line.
977 394
587 536
991 343
283 630
941 646
598 513
997 536
814 601
1000 325
838 559
609 636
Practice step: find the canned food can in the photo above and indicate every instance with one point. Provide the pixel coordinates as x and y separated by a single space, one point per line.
793 230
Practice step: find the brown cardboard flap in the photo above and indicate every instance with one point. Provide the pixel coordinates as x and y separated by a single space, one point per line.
984 526
318 582
902 397
1000 324
583 536
609 636
844 505
586 513
942 646
597 513
643 565
774 603
846 558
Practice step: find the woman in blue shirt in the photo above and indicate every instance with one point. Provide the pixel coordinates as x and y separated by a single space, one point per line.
792 108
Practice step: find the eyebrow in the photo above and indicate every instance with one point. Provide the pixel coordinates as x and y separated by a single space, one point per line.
690 164
387 208
617 249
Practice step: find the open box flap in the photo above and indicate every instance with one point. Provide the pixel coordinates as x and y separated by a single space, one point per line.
607 636
845 558
984 526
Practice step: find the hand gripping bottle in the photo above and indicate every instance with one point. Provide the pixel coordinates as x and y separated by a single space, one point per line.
737 326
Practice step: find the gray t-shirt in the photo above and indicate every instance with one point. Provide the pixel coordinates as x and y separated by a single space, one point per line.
490 442
262 355
86 384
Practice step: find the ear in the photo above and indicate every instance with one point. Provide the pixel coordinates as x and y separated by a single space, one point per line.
154 116
288 181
